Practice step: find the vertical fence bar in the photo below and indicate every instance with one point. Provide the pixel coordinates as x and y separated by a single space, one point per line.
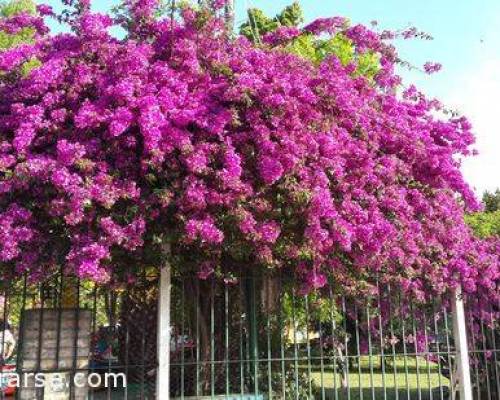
473 349
495 350
438 348
427 355
243 357
227 333
253 332
462 351
322 361
183 336
198 342
295 349
20 350
282 341
485 358
142 394
127 361
370 348
308 348
381 334
405 349
163 335
40 391
333 341
75 340
417 351
3 335
212 338
393 346
360 384
449 354
269 358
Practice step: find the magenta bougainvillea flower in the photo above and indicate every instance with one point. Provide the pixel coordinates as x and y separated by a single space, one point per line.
237 154
431 68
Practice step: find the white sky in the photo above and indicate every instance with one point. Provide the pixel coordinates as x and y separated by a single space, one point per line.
478 96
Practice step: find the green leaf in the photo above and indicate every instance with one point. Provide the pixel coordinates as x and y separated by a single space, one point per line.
484 224
10 8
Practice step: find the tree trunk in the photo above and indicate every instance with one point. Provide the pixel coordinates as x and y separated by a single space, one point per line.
69 298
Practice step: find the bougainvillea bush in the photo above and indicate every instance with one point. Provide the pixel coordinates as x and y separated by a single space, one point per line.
237 153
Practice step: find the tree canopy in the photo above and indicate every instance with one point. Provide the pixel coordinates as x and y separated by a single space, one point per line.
486 224
241 154
491 201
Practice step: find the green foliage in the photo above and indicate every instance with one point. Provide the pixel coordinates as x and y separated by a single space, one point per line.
316 50
8 41
368 64
491 201
26 35
339 45
29 66
8 10
259 24
291 15
309 46
319 309
485 224
13 7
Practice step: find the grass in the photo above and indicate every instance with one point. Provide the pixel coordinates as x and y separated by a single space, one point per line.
400 381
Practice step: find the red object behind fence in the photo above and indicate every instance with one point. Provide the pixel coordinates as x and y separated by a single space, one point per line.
7 387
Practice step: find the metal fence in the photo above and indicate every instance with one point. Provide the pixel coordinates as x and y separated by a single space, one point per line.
84 340
262 338
250 338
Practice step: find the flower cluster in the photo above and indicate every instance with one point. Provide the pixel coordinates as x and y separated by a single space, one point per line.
282 35
431 68
240 154
326 25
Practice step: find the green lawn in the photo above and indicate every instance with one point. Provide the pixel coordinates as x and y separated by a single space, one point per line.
398 382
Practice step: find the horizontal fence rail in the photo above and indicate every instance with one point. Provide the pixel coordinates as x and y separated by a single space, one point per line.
248 338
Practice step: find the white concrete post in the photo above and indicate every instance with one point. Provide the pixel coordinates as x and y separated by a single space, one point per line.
163 334
461 348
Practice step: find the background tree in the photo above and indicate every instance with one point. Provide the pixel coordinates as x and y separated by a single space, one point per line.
491 201
487 224
259 24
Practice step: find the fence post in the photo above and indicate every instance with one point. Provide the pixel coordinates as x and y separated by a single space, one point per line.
163 331
461 347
